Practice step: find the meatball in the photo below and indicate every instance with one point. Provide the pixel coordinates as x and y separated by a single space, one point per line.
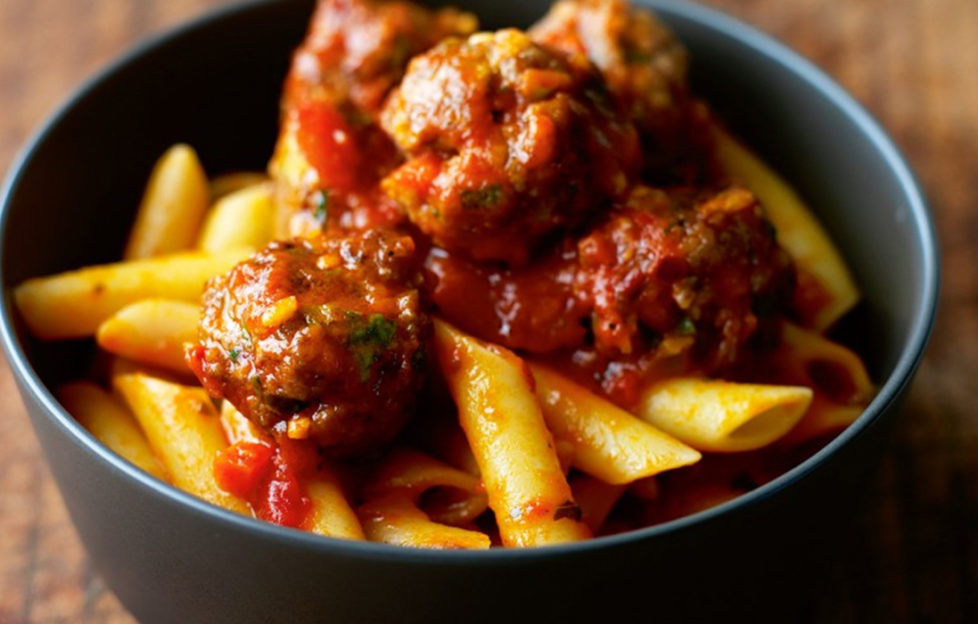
506 142
682 271
322 338
330 152
645 67
357 50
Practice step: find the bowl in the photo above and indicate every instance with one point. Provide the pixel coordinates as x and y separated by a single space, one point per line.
214 83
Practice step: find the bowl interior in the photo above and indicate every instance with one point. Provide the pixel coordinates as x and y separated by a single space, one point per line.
215 85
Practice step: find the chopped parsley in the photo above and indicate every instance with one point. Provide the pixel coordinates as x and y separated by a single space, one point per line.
686 326
233 354
369 340
483 197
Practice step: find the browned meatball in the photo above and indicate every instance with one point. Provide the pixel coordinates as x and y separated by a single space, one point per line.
330 153
682 271
357 50
645 67
506 142
322 338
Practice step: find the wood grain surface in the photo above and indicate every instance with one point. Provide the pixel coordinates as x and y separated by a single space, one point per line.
914 64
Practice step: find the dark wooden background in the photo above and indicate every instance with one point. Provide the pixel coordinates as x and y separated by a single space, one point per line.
913 63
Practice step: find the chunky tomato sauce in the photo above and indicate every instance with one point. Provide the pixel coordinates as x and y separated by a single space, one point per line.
269 476
553 191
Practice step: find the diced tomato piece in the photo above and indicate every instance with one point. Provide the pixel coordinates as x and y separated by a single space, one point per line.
241 467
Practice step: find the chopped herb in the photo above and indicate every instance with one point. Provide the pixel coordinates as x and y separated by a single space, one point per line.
233 354
482 198
686 326
370 340
321 203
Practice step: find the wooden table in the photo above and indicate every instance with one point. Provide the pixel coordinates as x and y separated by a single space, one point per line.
913 63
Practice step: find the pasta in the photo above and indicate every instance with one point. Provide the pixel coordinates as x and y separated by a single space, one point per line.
515 452
723 416
182 427
608 442
107 420
153 331
94 294
495 296
172 207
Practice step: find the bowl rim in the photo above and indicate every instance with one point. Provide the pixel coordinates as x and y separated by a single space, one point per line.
713 20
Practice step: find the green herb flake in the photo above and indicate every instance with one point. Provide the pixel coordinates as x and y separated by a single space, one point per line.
233 354
321 205
369 340
483 197
686 327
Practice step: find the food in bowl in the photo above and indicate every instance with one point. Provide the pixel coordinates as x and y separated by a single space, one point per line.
502 288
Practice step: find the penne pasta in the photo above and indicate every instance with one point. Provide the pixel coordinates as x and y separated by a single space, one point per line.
183 429
237 428
153 331
723 416
799 232
816 361
172 207
502 420
608 442
451 496
228 183
394 519
330 513
94 294
110 423
243 218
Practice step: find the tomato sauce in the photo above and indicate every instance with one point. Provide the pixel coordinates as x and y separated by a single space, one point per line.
269 476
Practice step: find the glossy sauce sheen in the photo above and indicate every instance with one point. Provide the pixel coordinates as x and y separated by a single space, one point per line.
553 192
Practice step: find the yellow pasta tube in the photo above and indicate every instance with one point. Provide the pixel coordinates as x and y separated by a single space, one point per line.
799 232
609 443
723 416
182 427
453 496
822 419
172 208
228 183
331 514
503 423
394 519
240 219
110 422
596 499
237 428
75 303
153 331
810 353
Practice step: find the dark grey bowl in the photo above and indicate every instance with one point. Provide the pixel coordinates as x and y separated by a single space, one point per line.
69 201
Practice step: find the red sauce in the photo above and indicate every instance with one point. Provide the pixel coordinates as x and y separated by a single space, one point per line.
268 476
329 144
